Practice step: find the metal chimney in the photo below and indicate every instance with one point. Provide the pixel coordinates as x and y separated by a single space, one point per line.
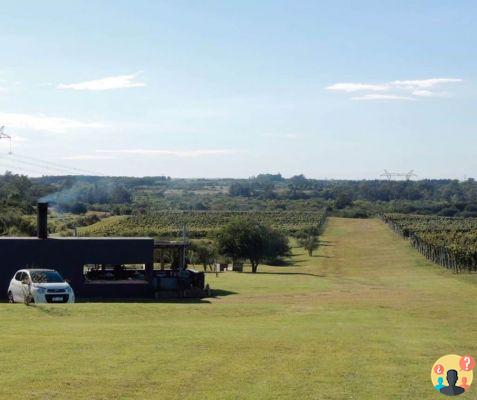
42 224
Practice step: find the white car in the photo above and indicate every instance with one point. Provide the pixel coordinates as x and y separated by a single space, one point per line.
41 286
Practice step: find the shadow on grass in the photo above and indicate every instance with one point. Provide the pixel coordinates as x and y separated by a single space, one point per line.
285 273
44 308
286 263
53 311
221 292
147 301
214 293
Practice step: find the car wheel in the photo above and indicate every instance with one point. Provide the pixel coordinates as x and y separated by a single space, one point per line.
10 297
29 299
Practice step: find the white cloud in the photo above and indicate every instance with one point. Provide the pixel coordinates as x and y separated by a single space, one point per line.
424 83
108 83
45 84
40 122
395 90
428 93
80 157
383 97
355 87
281 135
423 93
173 153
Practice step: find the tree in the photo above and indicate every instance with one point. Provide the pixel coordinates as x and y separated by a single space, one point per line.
313 230
240 189
203 252
120 195
247 239
310 243
78 208
12 222
343 199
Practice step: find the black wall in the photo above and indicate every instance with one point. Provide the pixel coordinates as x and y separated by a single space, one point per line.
69 255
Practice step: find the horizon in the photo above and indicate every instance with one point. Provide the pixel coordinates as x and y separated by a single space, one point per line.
331 90
381 179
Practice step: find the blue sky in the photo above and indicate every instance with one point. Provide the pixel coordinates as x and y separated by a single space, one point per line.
331 89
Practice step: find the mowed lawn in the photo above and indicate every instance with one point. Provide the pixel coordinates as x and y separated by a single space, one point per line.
365 318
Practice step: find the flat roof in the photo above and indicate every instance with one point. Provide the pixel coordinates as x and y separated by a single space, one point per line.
170 244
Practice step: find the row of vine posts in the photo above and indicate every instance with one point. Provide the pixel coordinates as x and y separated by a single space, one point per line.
451 259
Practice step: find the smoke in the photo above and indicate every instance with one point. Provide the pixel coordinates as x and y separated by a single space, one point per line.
75 194
65 195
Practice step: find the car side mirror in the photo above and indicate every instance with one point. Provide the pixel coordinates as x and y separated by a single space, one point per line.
68 281
25 281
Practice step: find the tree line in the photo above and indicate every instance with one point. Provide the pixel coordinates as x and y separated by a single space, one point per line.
264 192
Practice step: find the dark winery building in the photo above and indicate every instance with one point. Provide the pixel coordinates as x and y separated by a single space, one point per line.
72 257
69 256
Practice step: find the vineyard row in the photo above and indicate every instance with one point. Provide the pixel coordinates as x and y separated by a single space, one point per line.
450 242
197 224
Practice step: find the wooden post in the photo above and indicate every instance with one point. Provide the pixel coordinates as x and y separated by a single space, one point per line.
161 258
149 271
182 257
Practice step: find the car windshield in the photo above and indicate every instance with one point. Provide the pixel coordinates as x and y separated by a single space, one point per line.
46 277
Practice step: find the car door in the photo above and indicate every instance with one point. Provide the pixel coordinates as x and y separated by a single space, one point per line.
24 287
16 286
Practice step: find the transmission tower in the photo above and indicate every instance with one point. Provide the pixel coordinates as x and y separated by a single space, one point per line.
3 135
391 175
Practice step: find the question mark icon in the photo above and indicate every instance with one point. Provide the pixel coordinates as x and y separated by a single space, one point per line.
467 363
439 369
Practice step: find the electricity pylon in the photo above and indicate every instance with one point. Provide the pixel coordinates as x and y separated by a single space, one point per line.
391 175
3 135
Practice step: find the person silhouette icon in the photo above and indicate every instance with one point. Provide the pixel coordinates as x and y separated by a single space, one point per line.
440 384
452 389
464 384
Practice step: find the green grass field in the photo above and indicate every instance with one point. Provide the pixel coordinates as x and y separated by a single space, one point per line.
365 318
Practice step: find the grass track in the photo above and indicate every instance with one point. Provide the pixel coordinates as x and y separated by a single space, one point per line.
363 319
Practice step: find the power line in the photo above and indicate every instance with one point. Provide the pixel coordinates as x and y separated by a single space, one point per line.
42 168
16 168
52 166
48 167
13 164
29 167
43 164
55 165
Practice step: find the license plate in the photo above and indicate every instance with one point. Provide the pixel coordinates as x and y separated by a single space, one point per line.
57 299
